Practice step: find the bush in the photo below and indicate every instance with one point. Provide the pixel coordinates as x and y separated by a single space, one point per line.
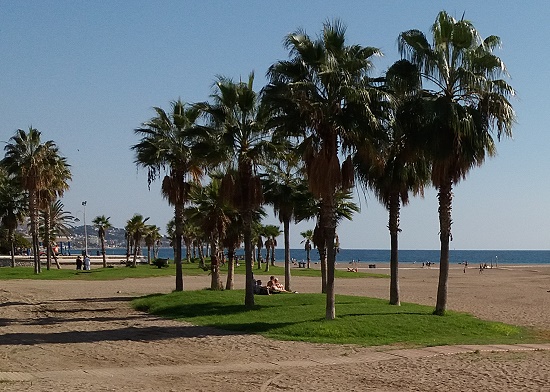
160 262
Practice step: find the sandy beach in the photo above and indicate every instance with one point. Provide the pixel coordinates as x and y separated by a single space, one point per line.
83 335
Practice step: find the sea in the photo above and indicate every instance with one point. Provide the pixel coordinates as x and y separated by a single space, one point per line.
383 255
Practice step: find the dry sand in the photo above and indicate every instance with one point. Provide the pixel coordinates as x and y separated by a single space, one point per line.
79 335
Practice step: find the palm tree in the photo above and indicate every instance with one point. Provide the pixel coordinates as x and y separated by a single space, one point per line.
271 232
307 241
323 96
468 102
232 241
152 237
214 214
102 224
29 162
13 209
136 229
399 166
59 222
345 207
57 174
166 146
236 132
285 189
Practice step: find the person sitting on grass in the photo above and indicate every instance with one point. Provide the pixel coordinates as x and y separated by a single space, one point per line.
277 287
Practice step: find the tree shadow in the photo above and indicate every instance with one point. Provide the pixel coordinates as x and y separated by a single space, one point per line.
145 334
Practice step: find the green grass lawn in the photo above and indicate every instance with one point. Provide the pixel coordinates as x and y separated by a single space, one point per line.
145 271
360 320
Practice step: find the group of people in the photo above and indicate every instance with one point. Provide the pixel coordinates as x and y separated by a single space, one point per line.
273 286
83 263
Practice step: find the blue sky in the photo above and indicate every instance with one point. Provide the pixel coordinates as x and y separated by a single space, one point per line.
87 73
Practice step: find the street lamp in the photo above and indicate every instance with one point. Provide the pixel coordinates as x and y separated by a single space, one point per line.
85 231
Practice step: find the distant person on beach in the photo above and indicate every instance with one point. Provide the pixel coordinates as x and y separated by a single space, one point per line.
86 263
79 263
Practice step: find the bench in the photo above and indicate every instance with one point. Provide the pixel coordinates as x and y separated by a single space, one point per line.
301 264
372 265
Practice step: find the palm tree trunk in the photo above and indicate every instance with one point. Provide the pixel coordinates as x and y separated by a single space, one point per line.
188 251
286 229
12 244
202 261
34 231
247 234
178 219
393 225
216 283
331 263
445 197
323 261
230 268
48 244
328 228
56 261
308 254
103 251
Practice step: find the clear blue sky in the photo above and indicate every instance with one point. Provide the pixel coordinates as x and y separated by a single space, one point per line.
86 73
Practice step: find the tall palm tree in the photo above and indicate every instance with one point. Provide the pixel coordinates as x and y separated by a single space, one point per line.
29 161
166 150
399 166
323 96
136 228
469 103
13 209
307 241
102 224
236 131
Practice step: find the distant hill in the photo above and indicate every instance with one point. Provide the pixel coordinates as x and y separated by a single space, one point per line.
114 237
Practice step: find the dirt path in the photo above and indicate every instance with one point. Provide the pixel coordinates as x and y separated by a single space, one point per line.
76 335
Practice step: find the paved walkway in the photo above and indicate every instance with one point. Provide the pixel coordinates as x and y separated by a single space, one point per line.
162 370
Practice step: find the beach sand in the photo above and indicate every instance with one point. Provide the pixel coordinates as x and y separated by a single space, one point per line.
83 335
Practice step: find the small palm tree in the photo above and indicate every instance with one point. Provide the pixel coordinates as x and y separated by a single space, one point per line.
60 223
152 237
271 232
286 190
102 224
136 228
214 215
307 241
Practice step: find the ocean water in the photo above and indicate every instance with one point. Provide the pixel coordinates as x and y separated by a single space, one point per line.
405 256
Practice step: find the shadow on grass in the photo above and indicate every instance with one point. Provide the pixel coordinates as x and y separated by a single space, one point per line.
189 311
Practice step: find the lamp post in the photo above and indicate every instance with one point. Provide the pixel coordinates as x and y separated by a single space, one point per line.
85 231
